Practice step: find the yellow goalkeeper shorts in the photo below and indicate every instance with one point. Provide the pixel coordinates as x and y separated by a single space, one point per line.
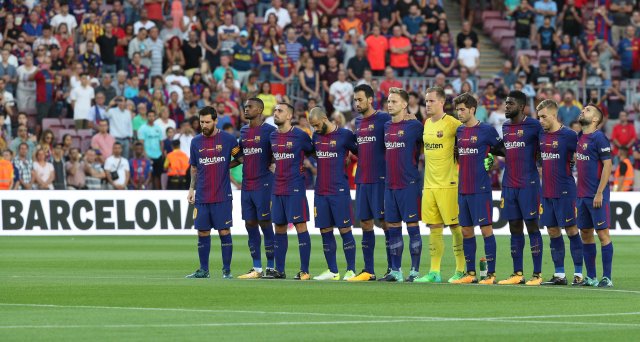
440 206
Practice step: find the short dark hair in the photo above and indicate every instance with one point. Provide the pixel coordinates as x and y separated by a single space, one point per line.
257 100
598 110
439 92
226 126
467 100
519 96
208 110
368 91
288 105
137 143
175 143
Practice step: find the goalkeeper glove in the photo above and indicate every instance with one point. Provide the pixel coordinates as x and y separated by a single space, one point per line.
488 162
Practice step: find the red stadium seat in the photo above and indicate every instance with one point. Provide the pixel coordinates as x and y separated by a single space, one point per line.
533 55
83 133
491 15
48 122
68 123
507 46
544 54
496 24
62 133
56 129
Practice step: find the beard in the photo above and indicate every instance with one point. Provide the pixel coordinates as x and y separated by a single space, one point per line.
323 131
207 131
583 122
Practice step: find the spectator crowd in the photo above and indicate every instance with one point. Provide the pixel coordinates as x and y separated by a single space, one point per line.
105 94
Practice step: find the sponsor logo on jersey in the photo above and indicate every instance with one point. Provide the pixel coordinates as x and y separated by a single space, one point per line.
326 154
514 144
394 144
248 151
282 156
433 146
549 156
211 160
366 139
582 157
464 151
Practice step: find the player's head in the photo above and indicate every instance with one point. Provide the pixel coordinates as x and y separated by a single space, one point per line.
434 100
363 97
591 116
253 108
318 120
465 105
208 120
515 103
282 114
397 101
138 149
547 113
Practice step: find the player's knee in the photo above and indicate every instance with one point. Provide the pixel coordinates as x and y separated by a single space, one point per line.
345 230
204 233
467 232
515 227
572 231
486 231
224 232
367 225
554 232
532 226
604 237
326 230
265 224
436 226
301 227
251 224
281 229
587 235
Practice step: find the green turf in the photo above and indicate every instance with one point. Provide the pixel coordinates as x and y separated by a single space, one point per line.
132 288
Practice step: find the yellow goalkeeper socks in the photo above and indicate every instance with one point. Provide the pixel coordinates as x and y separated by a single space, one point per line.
436 248
458 251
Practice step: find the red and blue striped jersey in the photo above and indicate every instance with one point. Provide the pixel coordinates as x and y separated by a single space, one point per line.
556 151
592 150
289 150
474 143
255 143
211 156
371 150
521 145
332 151
140 169
403 143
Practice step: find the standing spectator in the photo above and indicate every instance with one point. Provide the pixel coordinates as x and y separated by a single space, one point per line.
542 75
444 55
357 65
242 56
192 53
23 163
469 56
120 122
623 135
432 13
507 75
139 45
8 71
568 111
419 57
164 122
151 135
489 99
80 99
91 61
400 47
140 167
636 165
615 102
623 177
467 32
571 19
309 80
341 95
389 82
176 164
26 90
43 173
7 171
545 8
626 51
284 18
412 21
102 142
621 11
64 18
227 34
117 169
108 43
106 87
603 21
144 23
462 79
377 47
524 18
23 138
95 175
221 70
593 73
60 172
351 22
283 67
546 35
156 46
75 168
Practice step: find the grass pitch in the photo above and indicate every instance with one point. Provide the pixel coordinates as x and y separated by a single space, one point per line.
132 288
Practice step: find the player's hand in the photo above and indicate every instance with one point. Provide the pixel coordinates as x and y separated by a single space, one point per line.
191 198
597 201
488 162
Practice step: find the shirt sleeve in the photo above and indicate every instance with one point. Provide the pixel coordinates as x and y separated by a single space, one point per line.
236 151
604 148
493 136
192 155
572 142
350 142
307 144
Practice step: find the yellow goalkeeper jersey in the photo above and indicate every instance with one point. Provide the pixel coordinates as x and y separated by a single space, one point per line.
439 139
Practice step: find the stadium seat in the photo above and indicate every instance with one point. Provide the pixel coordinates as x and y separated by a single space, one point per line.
495 24
32 120
83 133
531 53
56 129
491 15
64 131
68 123
48 122
544 54
507 45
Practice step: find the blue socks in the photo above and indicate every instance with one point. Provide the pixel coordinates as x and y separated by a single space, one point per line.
329 248
469 246
590 259
349 246
368 248
517 246
575 245
267 231
204 248
254 241
607 259
396 246
490 253
280 248
226 245
557 253
387 237
415 247
304 245
535 241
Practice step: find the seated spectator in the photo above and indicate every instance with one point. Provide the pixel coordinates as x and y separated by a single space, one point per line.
284 18
489 99
542 75
220 72
524 65
444 55
341 95
58 162
462 79
412 21
568 111
75 169
43 174
141 168
164 122
623 134
389 82
95 176
102 142
117 169
507 75
23 138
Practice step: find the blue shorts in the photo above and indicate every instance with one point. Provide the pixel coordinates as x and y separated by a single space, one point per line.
475 209
213 215
558 212
520 203
289 208
370 201
403 204
332 211
256 205
590 217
